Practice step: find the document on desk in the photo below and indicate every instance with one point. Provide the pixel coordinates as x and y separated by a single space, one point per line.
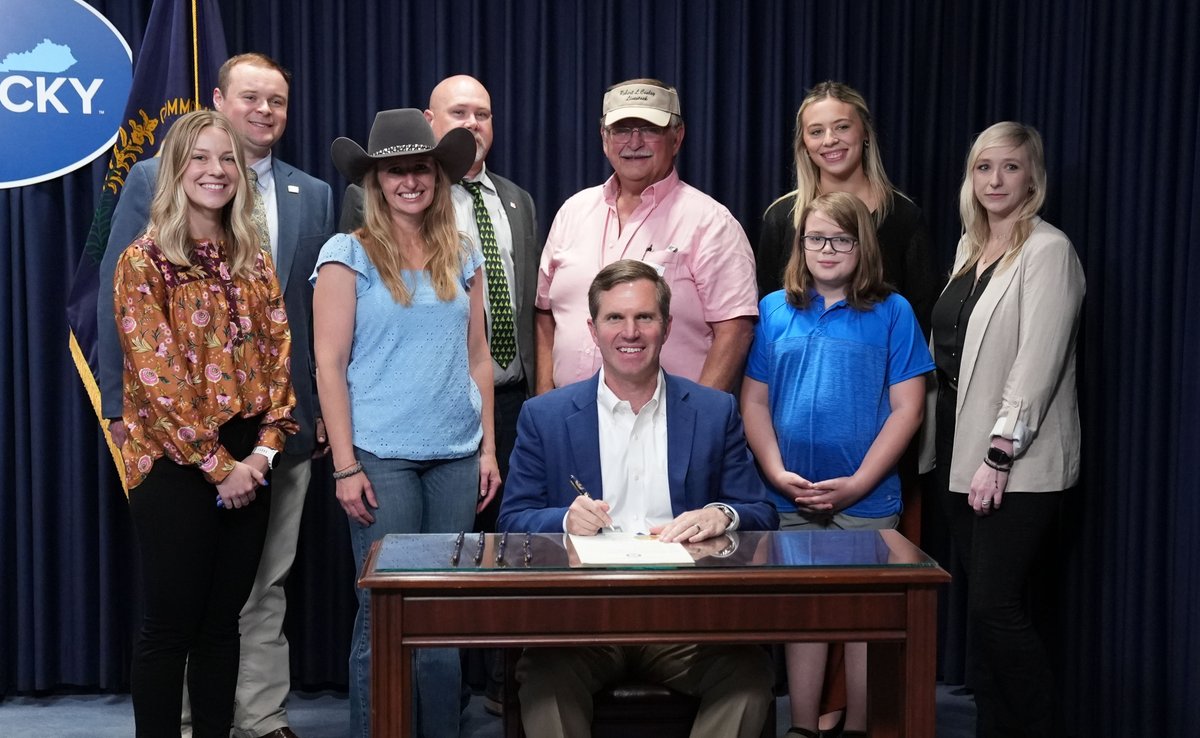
629 549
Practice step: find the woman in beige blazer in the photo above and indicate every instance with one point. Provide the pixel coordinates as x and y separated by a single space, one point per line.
1007 423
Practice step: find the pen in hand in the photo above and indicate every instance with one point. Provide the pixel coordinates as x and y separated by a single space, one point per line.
578 486
582 492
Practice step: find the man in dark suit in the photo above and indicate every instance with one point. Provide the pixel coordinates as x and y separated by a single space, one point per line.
658 454
462 101
297 213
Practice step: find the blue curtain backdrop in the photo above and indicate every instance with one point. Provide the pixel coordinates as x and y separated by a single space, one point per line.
1113 86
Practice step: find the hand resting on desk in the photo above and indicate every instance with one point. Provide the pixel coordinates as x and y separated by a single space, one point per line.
693 526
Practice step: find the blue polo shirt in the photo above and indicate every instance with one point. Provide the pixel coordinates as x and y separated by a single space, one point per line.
827 373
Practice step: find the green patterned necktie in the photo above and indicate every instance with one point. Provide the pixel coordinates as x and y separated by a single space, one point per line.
260 211
504 345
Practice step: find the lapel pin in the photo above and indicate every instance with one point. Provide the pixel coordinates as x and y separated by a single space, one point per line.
512 204
294 189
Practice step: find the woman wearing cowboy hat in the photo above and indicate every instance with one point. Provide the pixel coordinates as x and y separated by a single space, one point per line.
404 372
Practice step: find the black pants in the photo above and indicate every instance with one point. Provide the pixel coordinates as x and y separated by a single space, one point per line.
1008 661
198 565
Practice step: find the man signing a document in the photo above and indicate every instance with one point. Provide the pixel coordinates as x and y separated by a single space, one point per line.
656 453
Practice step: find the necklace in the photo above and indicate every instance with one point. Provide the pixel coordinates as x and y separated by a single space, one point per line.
996 247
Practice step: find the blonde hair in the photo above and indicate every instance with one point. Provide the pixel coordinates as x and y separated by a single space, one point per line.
866 286
976 230
808 176
439 231
169 209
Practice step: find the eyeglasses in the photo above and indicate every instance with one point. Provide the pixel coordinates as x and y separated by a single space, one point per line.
840 244
624 134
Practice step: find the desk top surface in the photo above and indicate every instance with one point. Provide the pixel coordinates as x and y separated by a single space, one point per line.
435 553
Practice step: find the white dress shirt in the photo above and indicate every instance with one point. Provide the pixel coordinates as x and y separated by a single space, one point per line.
633 459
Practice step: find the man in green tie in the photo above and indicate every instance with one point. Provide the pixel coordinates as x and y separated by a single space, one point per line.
499 217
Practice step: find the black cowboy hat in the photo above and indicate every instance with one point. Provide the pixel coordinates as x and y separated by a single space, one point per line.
404 132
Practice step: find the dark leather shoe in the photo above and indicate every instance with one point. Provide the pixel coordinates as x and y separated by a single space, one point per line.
284 732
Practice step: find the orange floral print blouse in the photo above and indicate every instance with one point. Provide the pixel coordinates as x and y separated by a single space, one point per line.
201 347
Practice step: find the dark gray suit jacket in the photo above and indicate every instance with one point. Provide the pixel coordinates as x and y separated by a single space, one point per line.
527 252
305 207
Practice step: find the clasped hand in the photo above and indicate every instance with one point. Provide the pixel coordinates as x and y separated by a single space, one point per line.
827 496
238 487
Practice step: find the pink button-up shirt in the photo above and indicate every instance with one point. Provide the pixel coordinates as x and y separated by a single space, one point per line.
691 239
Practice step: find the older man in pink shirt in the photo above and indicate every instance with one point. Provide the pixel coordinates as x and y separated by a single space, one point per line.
644 211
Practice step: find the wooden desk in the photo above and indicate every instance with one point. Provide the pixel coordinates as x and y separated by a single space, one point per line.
870 586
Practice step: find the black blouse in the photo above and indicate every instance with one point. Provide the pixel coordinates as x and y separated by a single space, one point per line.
951 313
907 264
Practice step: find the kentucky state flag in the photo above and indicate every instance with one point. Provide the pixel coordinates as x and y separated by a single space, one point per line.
175 73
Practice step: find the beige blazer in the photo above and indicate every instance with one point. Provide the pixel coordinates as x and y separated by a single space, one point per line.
1017 378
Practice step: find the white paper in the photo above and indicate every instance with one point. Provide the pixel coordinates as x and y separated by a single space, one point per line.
629 549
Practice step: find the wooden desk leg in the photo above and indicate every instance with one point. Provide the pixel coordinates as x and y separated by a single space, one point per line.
921 663
902 677
886 691
391 668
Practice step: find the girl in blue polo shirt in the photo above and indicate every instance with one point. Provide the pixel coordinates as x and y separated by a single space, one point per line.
833 394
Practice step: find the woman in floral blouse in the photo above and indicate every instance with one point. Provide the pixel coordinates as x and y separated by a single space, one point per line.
208 404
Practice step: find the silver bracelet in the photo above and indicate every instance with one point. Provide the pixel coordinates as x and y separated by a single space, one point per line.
349 471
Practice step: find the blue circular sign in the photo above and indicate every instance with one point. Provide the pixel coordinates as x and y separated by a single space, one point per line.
65 75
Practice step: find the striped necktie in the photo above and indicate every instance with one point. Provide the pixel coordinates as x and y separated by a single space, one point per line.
260 211
503 343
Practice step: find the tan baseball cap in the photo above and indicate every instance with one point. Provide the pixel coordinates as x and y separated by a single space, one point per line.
651 103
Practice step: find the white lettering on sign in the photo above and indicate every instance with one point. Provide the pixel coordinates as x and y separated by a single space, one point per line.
46 94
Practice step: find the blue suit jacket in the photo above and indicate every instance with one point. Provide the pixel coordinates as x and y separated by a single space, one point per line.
305 207
558 435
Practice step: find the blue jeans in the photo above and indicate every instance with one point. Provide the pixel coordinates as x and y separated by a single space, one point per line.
436 496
